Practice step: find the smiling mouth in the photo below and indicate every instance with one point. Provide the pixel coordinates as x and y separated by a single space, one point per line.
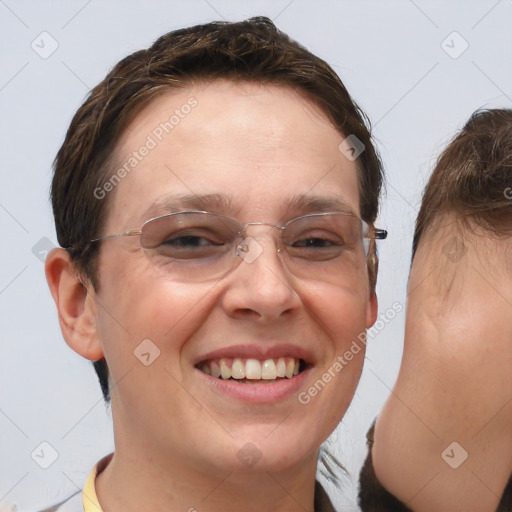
253 371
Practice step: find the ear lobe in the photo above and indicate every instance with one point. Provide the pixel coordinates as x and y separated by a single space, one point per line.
75 305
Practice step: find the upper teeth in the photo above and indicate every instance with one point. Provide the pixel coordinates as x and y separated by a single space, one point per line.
252 369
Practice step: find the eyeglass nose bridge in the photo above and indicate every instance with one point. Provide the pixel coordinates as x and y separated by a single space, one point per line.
249 249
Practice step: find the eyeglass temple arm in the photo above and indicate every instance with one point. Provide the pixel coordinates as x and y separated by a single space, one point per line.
380 234
133 232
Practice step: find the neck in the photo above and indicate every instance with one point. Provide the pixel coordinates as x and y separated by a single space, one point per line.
137 479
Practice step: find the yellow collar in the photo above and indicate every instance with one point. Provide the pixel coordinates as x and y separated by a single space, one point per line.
90 499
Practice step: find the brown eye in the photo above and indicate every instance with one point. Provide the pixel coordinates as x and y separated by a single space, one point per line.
190 241
316 242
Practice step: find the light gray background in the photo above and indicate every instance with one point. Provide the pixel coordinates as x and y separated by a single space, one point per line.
391 56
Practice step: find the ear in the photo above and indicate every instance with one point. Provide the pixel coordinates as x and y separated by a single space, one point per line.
373 306
76 306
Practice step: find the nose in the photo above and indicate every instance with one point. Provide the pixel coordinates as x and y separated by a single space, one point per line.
260 287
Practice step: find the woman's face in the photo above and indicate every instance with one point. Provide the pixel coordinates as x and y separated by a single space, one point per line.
249 152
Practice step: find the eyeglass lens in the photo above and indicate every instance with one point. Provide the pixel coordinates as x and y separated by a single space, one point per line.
202 246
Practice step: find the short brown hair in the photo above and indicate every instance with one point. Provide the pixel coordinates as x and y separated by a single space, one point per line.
473 177
252 50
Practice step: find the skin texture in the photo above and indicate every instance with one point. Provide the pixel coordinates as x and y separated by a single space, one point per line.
455 382
177 439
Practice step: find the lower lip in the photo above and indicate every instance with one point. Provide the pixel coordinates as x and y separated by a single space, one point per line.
272 392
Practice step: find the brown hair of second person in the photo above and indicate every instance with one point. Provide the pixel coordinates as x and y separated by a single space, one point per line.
472 176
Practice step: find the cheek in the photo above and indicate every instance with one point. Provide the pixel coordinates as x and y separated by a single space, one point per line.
340 318
140 304
340 309
341 312
346 317
144 333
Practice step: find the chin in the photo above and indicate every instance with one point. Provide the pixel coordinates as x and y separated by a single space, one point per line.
273 449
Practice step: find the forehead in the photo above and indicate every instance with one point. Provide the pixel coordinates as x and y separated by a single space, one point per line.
261 146
457 258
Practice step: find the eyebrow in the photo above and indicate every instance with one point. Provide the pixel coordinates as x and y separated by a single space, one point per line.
225 205
308 203
217 203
